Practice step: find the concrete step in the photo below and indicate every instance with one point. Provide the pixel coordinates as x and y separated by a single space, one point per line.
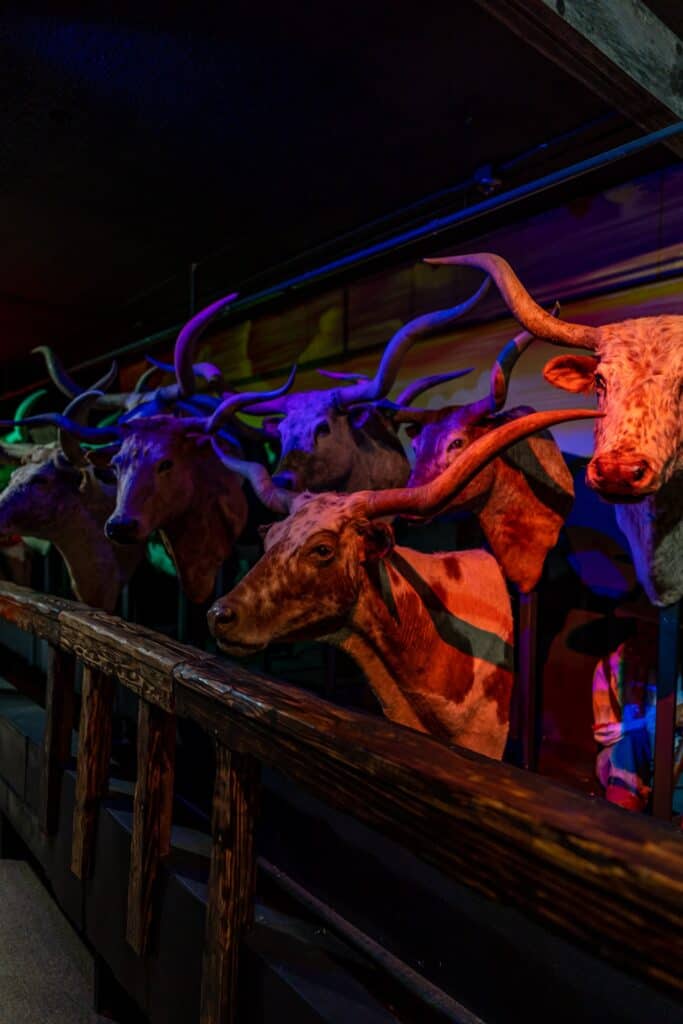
46 973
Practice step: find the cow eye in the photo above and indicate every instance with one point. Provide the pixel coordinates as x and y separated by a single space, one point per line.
323 551
164 466
600 383
322 429
457 442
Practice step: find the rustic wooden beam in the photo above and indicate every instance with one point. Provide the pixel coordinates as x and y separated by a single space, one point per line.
59 720
92 773
610 881
152 817
232 874
618 48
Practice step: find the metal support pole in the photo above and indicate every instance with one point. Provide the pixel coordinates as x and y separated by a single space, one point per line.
667 678
526 678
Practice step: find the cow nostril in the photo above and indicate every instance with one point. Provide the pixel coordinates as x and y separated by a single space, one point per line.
225 616
124 529
640 470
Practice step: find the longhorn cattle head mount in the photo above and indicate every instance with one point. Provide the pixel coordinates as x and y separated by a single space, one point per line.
342 438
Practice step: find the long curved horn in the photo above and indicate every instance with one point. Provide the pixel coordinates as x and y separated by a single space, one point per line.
186 344
64 382
275 498
205 371
340 375
530 315
76 411
416 388
428 499
231 405
501 372
144 379
89 435
24 408
402 341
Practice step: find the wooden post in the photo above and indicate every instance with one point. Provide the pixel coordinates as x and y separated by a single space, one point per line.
231 882
152 817
94 751
665 723
526 677
59 719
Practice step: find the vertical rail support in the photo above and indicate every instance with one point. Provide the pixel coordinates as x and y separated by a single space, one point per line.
232 881
92 775
152 817
59 719
527 678
665 723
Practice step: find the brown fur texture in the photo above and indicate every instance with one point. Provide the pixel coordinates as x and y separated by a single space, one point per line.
637 372
428 630
521 499
169 479
49 498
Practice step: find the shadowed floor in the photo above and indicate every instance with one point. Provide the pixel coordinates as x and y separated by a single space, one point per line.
46 973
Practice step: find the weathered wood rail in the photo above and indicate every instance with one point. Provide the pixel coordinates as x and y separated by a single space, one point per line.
610 881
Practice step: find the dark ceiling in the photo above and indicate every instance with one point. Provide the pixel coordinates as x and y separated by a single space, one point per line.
135 144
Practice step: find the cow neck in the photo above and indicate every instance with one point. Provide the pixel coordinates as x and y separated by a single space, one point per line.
96 569
523 514
203 537
376 467
411 646
654 530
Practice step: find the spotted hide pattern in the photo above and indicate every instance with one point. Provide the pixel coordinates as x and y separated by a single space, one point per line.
433 633
169 479
49 498
637 373
521 499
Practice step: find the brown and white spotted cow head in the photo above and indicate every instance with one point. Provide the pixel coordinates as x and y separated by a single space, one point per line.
317 560
636 370
341 438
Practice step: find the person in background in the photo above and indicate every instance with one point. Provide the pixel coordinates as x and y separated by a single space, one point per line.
624 708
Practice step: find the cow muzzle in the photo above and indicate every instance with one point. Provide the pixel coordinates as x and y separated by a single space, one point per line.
123 529
224 620
622 477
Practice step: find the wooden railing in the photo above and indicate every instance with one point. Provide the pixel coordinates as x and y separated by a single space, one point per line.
610 881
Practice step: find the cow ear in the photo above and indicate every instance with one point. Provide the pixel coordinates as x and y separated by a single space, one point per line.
572 373
379 540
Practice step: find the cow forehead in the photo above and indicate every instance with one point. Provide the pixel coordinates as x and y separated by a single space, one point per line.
646 345
310 513
151 442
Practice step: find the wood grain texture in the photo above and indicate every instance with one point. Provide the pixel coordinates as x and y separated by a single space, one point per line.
33 612
59 720
152 818
92 773
232 876
611 881
618 48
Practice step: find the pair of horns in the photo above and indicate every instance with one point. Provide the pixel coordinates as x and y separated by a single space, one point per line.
186 373
499 385
424 501
530 315
373 389
73 427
